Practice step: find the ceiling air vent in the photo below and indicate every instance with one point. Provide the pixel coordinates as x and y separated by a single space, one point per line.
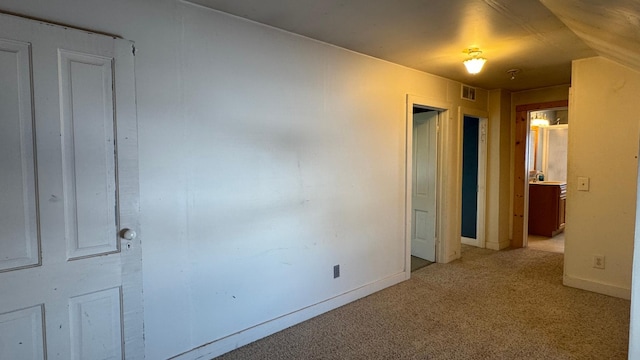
468 93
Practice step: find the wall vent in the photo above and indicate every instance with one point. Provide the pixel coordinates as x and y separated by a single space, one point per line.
468 93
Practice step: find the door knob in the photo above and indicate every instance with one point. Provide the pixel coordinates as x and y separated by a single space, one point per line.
128 234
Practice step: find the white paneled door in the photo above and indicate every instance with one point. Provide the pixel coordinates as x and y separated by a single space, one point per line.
423 200
70 272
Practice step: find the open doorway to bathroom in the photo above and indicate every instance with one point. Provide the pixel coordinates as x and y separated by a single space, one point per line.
547 178
521 168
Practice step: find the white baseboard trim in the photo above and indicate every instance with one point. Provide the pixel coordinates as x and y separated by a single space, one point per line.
497 245
598 287
450 258
470 241
244 337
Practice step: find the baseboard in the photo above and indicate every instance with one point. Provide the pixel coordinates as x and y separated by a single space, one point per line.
470 241
244 337
598 287
497 245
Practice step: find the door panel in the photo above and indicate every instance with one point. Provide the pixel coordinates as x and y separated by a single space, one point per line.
86 103
22 334
20 246
423 242
424 228
95 325
71 304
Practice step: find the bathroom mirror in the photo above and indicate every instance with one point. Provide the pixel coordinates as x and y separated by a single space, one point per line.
548 139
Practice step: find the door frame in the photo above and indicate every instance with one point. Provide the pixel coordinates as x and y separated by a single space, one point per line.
129 207
443 109
483 118
520 176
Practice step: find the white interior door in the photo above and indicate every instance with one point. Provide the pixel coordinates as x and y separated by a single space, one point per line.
70 286
423 200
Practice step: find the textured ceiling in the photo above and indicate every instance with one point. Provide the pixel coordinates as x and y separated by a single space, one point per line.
538 37
611 28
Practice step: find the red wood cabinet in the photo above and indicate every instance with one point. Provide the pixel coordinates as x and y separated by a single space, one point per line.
547 204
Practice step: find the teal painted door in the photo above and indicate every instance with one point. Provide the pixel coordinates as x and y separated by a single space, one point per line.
470 177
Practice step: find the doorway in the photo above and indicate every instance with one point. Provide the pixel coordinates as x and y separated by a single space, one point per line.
520 166
444 239
547 181
474 160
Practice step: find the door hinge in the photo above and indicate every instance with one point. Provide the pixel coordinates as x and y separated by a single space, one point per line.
133 50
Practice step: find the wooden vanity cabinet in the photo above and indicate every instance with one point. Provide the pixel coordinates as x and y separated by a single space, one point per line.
547 204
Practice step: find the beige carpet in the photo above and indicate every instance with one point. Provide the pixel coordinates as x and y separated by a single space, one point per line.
553 244
489 305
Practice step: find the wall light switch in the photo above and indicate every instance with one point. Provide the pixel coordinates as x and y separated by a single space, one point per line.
583 183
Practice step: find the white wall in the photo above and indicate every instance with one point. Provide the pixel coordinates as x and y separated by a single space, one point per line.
265 159
541 95
603 145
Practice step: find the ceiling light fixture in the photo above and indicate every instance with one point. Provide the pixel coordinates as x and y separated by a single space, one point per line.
475 63
539 119
512 73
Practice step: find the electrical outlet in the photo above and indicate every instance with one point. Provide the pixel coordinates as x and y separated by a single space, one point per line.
598 261
336 271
